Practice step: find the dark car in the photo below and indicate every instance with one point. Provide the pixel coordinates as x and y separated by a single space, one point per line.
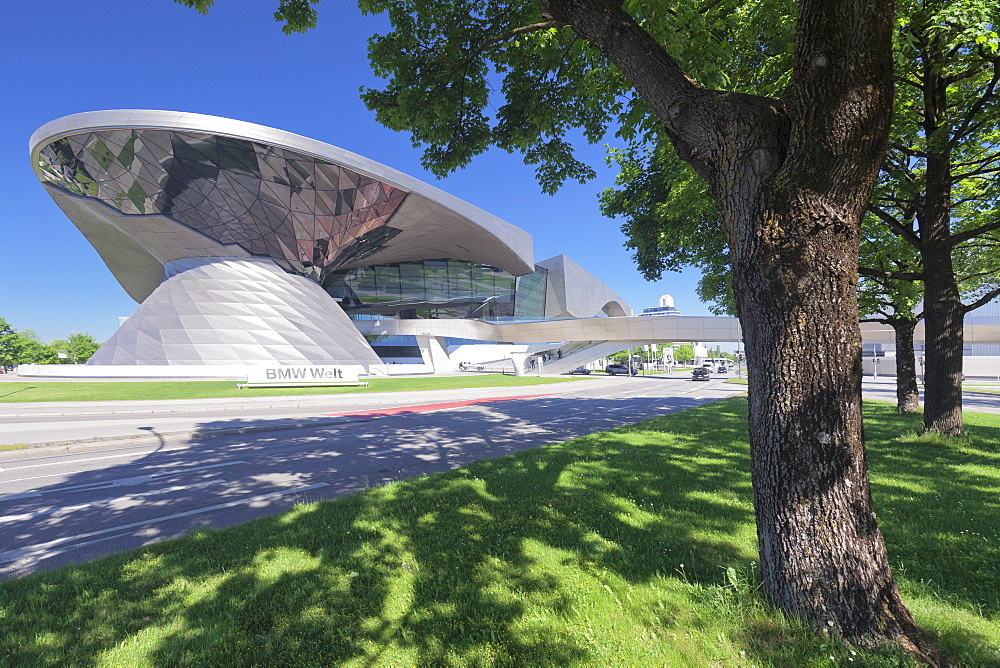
722 369
615 369
701 373
582 370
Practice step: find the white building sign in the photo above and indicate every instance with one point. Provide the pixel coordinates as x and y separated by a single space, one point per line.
300 375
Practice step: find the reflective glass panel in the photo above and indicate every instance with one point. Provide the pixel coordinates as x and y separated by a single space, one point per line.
232 190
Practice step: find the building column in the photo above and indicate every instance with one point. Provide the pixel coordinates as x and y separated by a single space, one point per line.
434 352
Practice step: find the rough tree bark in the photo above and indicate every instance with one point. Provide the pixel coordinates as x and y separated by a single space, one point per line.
944 313
791 179
907 390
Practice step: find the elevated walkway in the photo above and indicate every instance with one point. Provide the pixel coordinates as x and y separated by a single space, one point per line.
632 330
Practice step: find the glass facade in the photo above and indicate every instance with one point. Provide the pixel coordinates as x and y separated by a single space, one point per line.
438 289
309 215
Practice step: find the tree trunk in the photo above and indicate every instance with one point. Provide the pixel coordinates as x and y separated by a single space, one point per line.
822 554
795 277
943 311
791 180
907 390
943 327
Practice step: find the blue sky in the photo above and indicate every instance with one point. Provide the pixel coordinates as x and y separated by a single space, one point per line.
61 57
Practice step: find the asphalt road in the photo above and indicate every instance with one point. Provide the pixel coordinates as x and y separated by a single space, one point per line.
191 467
133 474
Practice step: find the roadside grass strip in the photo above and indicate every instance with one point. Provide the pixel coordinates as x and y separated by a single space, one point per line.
25 391
630 547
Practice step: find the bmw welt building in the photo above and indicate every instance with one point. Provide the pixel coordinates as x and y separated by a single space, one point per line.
245 245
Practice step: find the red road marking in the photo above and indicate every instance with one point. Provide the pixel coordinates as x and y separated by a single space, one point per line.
426 408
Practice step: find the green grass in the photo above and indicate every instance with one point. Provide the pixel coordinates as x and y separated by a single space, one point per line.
25 391
631 547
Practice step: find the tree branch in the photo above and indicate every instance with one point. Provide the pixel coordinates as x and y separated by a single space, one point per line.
989 296
962 279
906 150
966 125
959 237
891 275
971 72
980 161
505 37
908 235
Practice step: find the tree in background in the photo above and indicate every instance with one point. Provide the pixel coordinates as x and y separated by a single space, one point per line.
35 351
684 353
79 348
10 344
790 175
26 347
892 301
939 189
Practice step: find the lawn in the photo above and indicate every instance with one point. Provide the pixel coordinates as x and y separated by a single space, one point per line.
630 547
25 391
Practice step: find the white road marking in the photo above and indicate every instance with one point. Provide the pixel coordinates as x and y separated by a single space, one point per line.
116 499
118 482
42 550
575 417
76 461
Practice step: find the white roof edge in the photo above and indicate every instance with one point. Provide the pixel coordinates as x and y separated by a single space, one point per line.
514 237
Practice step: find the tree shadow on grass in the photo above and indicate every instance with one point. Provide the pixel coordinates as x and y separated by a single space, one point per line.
938 506
481 564
510 560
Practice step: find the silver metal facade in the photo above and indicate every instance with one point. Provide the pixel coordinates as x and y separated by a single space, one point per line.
226 311
225 232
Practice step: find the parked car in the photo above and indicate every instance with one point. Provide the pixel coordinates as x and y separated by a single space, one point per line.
615 369
581 370
701 373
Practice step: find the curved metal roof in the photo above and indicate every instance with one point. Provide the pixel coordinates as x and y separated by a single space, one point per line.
147 187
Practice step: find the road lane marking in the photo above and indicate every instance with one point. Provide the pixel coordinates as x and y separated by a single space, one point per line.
44 549
74 461
575 417
52 509
117 482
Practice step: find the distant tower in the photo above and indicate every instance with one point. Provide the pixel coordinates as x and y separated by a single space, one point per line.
666 307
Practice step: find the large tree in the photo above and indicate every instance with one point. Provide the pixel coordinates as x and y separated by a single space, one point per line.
938 193
790 175
943 168
893 301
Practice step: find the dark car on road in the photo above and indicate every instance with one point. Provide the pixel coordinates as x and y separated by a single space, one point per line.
701 373
582 370
615 369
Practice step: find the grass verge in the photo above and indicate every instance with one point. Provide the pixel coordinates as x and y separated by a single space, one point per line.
24 391
630 547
